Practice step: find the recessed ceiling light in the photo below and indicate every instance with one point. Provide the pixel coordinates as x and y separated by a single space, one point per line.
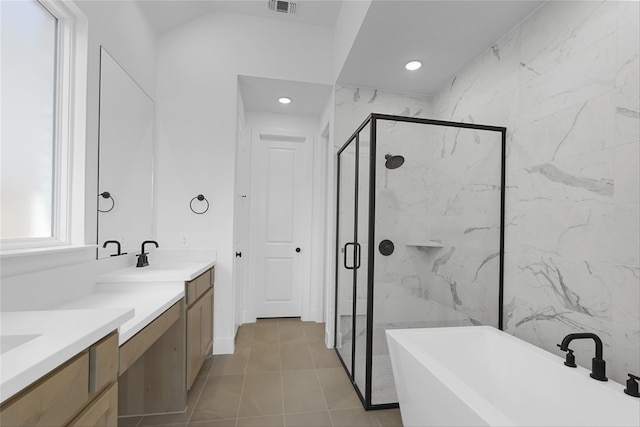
284 100
413 65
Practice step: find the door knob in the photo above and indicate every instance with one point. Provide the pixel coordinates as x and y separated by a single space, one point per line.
298 249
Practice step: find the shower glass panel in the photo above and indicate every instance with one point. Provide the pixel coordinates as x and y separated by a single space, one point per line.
441 209
362 220
423 203
345 252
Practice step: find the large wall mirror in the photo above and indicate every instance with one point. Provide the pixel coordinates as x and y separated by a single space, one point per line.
125 167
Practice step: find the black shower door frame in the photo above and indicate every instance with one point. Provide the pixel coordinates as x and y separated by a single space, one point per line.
354 138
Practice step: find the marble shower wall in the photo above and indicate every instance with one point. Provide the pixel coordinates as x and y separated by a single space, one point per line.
565 83
448 190
353 105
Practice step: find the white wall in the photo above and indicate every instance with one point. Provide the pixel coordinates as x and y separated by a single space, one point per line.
329 235
122 29
352 14
196 107
282 122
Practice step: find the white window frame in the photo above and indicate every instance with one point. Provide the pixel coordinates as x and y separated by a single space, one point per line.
68 208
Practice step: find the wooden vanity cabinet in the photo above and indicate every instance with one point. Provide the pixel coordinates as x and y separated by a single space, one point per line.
161 362
199 296
152 367
103 411
78 393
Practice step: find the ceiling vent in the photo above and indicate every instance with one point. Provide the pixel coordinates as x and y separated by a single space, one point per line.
282 6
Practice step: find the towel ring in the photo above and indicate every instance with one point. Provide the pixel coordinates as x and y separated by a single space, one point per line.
107 195
200 198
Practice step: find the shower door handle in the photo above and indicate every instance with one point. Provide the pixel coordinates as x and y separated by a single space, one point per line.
356 255
344 256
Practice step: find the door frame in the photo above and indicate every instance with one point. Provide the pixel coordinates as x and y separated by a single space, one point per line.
251 290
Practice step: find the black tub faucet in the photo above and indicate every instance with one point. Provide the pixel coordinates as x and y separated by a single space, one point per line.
143 261
598 365
632 386
118 247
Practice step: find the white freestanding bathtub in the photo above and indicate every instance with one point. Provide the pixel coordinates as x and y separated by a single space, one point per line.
480 376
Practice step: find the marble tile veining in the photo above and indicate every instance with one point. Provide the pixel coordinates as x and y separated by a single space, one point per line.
572 240
566 84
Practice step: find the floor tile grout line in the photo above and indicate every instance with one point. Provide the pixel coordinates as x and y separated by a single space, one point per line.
284 422
279 349
324 397
195 405
244 375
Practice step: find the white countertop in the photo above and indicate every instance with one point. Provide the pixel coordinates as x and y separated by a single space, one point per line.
127 299
61 334
149 300
165 266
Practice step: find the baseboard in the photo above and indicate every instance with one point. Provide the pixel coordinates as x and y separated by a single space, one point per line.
328 339
248 317
224 345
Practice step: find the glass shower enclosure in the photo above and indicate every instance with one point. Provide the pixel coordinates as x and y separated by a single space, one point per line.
420 238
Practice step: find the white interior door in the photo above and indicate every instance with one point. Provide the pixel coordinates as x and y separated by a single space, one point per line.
280 221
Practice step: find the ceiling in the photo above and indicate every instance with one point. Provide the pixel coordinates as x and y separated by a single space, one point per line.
165 15
261 94
444 35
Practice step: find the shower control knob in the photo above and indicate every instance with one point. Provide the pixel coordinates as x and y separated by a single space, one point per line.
298 250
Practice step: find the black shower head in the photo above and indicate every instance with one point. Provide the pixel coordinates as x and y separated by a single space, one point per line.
393 162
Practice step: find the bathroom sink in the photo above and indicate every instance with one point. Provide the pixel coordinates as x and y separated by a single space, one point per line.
171 266
9 342
168 266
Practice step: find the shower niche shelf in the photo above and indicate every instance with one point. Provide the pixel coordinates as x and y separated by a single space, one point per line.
425 244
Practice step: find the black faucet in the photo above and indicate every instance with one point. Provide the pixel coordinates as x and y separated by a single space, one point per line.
117 243
598 365
142 257
632 386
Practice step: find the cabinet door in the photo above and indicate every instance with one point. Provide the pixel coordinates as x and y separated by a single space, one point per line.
53 400
103 411
207 324
199 335
194 341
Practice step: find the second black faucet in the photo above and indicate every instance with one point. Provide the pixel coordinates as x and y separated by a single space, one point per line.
143 261
598 365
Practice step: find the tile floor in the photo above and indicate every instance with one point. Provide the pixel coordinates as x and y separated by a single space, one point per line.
281 374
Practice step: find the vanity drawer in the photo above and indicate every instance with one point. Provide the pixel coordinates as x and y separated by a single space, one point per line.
198 286
103 363
102 412
53 400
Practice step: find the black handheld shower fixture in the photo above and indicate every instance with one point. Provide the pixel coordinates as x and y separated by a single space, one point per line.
393 162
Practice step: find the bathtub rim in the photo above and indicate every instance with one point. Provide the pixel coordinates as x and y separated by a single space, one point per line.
473 399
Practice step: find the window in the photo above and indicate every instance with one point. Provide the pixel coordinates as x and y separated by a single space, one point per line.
42 109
